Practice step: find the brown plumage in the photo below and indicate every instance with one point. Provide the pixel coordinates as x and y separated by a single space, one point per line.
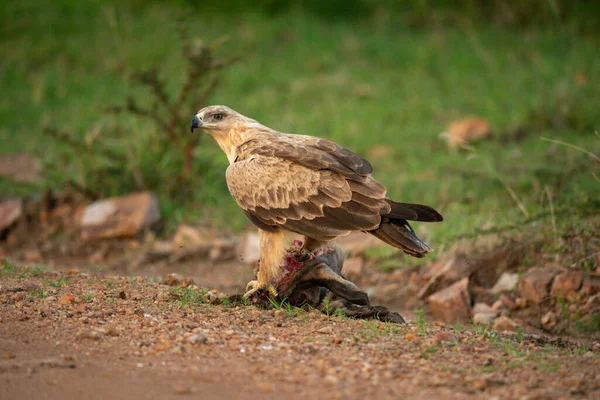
307 185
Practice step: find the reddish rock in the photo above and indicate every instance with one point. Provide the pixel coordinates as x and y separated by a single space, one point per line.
453 303
173 279
591 285
505 324
66 298
191 237
20 167
508 302
567 283
120 216
454 269
535 284
10 212
461 132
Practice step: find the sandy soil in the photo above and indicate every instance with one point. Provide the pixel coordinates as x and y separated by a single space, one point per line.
96 336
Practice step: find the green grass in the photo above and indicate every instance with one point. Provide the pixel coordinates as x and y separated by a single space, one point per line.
361 82
188 297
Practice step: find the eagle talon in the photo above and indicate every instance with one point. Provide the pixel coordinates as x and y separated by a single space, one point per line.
255 288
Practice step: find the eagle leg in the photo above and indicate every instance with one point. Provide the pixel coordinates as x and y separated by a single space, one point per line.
272 251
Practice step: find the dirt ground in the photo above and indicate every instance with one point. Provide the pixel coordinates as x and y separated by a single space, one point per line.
92 335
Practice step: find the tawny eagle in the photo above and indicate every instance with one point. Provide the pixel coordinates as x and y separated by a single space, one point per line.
308 185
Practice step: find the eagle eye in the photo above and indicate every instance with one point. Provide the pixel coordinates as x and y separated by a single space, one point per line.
218 116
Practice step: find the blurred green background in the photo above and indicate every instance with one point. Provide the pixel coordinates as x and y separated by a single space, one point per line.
381 78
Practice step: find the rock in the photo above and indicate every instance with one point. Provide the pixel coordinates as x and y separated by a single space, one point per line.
505 324
567 283
10 212
443 338
179 389
249 248
484 318
591 285
66 298
356 243
327 330
172 279
222 249
506 283
454 269
161 248
535 284
198 338
462 132
108 331
191 237
120 216
549 319
353 268
19 296
92 335
20 167
453 303
482 308
32 256
484 314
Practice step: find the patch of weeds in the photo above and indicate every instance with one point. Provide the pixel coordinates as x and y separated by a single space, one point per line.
327 308
516 364
581 350
511 350
489 369
188 297
450 344
39 293
420 321
487 332
133 281
276 303
589 325
226 302
428 352
8 269
36 272
390 329
290 310
339 313
61 282
458 328
549 366
87 298
369 331
520 334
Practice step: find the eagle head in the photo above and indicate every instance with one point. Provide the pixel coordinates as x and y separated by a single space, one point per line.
215 118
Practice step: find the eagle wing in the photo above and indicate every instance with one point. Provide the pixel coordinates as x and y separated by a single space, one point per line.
307 185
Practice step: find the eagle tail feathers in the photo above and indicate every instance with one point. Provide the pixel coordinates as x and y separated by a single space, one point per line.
398 233
413 212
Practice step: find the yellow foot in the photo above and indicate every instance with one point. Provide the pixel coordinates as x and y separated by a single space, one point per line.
255 288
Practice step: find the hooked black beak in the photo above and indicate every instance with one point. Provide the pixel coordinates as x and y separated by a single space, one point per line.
196 123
